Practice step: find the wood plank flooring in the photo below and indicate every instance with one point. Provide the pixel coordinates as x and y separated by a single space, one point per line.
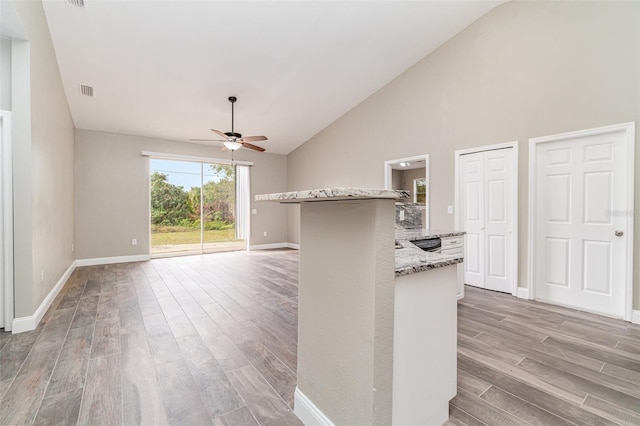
523 362
213 340
187 340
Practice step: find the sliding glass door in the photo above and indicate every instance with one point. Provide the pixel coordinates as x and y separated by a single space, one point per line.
193 208
219 208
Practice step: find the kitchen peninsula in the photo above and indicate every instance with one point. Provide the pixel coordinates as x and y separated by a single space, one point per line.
376 316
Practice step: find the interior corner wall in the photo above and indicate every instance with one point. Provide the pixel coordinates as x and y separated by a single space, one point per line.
5 74
43 158
523 70
112 192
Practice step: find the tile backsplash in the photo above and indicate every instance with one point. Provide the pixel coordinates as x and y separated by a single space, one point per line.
412 215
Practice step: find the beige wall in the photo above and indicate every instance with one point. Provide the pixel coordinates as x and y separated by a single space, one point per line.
112 191
525 69
43 164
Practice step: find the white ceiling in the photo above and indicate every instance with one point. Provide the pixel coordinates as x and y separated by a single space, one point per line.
166 68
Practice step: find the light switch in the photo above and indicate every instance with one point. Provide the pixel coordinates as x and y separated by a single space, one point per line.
401 214
254 211
450 209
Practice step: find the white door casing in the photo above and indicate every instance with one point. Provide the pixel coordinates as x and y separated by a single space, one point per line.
486 204
581 225
2 281
6 223
388 174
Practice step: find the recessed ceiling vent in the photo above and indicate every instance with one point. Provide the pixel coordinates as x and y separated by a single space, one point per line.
76 3
86 90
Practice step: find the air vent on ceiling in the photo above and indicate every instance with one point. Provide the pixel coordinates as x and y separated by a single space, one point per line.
86 90
76 3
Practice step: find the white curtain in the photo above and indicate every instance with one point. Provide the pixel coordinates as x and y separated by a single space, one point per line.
243 202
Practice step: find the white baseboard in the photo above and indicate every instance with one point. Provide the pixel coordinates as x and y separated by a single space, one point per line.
635 317
273 246
30 323
115 259
522 293
307 412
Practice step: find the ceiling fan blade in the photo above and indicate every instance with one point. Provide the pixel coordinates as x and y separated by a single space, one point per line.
254 138
224 148
253 147
206 140
220 133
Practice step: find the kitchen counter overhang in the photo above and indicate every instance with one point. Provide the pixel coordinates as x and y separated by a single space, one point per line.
332 194
409 259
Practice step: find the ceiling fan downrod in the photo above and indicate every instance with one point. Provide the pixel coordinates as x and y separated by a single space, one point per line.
233 100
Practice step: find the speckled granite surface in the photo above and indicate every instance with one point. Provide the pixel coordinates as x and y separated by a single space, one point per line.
411 259
425 234
332 194
413 215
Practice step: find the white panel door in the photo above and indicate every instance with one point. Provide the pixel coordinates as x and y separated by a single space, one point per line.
472 179
498 208
580 208
2 197
487 218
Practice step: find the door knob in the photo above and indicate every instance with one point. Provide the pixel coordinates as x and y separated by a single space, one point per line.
618 233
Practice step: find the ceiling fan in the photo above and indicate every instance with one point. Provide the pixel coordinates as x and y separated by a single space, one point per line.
232 140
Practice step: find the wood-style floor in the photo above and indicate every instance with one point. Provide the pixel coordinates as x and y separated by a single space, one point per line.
523 362
188 340
212 339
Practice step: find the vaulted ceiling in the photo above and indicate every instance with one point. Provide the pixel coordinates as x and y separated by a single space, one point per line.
166 68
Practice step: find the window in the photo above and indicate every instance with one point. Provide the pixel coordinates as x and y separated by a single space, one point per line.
420 191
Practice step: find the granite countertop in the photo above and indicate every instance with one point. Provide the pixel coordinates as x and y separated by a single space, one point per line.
411 259
425 234
333 194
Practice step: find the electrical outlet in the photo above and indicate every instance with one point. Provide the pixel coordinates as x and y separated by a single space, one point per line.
73 248
134 242
254 211
265 233
42 276
401 214
450 209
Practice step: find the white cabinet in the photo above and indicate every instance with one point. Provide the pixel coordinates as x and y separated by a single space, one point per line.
452 246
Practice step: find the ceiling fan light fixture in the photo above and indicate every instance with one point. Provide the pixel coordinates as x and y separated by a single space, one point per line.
232 145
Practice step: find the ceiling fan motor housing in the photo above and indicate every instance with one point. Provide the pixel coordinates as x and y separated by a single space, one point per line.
233 135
